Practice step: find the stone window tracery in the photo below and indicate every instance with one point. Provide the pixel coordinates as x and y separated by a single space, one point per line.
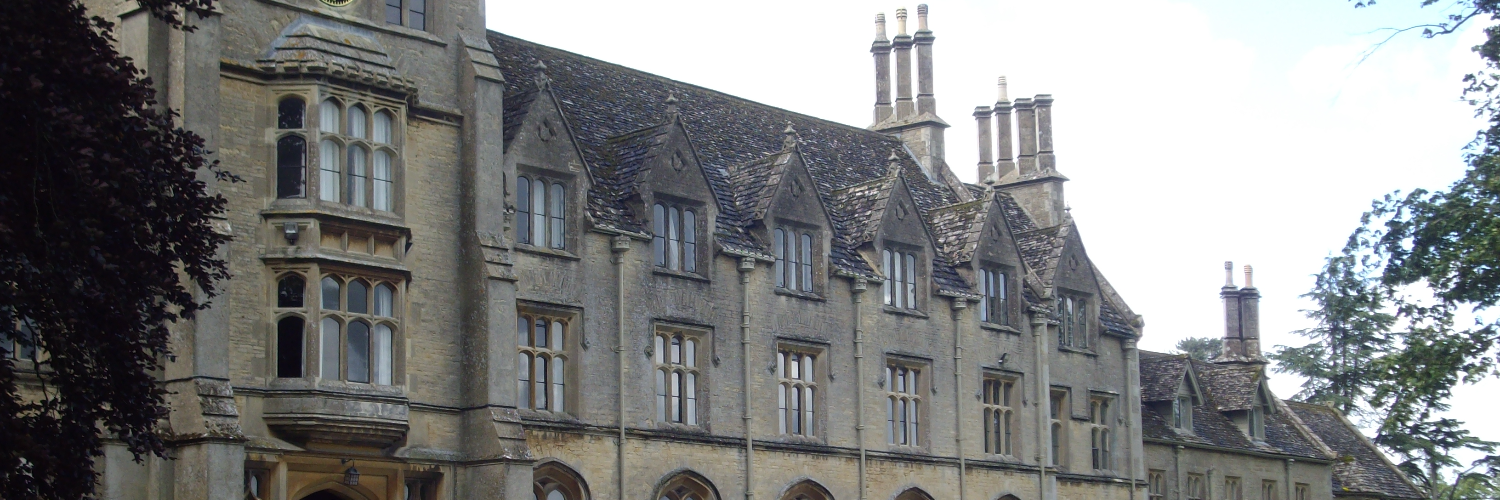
542 362
554 481
1268 490
796 390
903 404
1232 489
674 242
291 326
357 329
999 418
357 154
1100 437
686 486
1195 487
291 148
1073 322
677 372
1156 484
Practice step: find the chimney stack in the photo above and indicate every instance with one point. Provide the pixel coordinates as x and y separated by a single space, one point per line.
926 102
1005 156
1241 320
1026 123
881 49
1046 163
986 142
903 43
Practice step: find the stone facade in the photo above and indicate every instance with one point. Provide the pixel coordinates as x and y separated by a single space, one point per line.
495 269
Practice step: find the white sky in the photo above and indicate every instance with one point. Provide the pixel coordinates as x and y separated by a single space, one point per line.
1194 132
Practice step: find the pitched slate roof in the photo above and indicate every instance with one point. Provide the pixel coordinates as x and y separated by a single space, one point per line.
516 108
318 46
1160 374
958 229
1361 469
610 107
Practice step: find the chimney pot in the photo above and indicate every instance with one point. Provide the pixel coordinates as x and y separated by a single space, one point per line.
901 21
1004 91
880 26
922 17
1228 274
1247 277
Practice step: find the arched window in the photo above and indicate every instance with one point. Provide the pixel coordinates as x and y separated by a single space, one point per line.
555 215
290 346
676 357
328 171
914 494
900 285
807 490
687 486
383 127
357 330
903 404
542 358
795 392
357 123
555 481
328 116
541 206
523 210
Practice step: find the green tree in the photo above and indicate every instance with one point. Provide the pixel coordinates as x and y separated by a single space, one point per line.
1200 348
106 238
1436 259
1352 331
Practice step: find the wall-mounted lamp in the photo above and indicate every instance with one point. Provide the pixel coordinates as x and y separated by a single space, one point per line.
1003 356
290 231
351 476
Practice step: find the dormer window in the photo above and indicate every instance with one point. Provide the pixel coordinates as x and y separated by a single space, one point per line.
794 259
541 212
900 285
994 301
1182 413
674 240
1256 418
1073 322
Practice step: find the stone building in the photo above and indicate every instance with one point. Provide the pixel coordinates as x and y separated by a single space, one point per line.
471 266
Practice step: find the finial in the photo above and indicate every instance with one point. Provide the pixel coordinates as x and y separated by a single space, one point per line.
922 17
789 138
1247 277
901 21
1229 274
541 79
880 27
1004 90
895 167
671 104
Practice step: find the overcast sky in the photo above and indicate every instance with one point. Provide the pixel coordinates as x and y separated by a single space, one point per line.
1194 132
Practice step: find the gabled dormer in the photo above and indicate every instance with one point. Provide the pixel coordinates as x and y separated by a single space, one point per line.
551 180
1189 395
780 200
978 241
662 177
887 229
1253 421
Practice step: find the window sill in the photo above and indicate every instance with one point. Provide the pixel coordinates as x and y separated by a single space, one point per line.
906 449
337 386
800 439
548 415
800 295
544 251
905 312
996 327
661 271
684 428
1076 350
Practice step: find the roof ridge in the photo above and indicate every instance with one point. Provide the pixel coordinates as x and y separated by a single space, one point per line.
680 82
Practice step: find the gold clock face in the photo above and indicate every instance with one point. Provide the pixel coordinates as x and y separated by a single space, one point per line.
338 3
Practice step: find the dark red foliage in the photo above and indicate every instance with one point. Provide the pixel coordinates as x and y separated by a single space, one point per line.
106 238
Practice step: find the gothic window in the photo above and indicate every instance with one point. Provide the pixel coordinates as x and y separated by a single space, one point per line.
1195 487
796 391
794 259
542 362
900 285
1059 414
291 148
807 490
554 481
1232 489
1073 322
903 408
414 13
1268 490
914 494
686 486
677 372
357 155
999 416
1303 490
994 301
1099 434
541 212
1156 484
291 326
357 329
674 241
